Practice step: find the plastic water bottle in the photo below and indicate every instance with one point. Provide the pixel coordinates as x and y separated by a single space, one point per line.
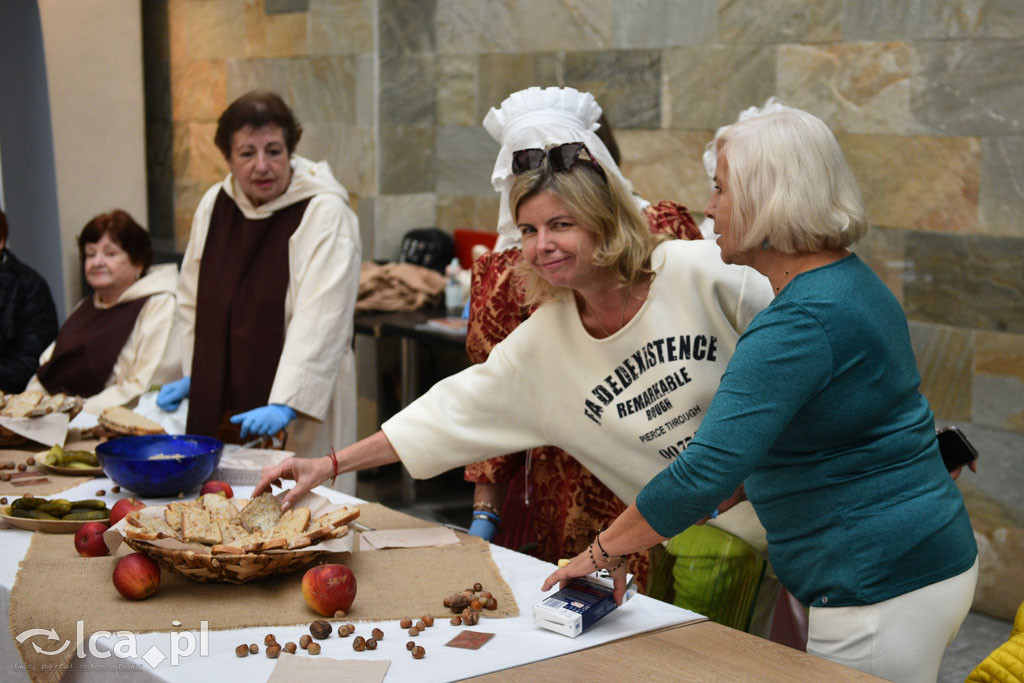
453 288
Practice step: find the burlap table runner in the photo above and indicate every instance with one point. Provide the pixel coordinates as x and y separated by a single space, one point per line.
55 482
55 588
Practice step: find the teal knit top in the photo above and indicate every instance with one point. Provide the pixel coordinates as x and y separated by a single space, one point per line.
820 416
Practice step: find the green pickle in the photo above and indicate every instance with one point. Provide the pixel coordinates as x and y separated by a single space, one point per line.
32 514
90 503
27 503
57 508
87 458
85 513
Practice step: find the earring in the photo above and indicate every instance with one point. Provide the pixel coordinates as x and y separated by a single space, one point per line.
765 245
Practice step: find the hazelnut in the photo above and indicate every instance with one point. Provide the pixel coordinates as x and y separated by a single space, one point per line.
491 603
3 501
475 605
406 622
305 640
290 647
22 467
428 619
31 461
101 492
273 651
269 638
242 650
371 644
456 621
421 625
9 465
359 644
313 649
470 617
343 631
320 629
485 595
477 587
410 645
5 477
339 614
253 648
418 652
448 600
377 634
115 489
414 631
458 603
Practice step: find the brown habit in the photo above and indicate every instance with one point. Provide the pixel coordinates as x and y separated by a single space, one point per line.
243 279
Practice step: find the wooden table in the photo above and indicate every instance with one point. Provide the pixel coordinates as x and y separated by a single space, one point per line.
702 651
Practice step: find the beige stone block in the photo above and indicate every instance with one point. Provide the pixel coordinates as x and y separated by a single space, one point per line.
274 35
177 29
999 532
456 91
340 26
666 164
884 251
476 213
500 75
707 87
999 380
198 90
779 21
196 158
944 360
858 87
350 150
475 26
923 182
215 29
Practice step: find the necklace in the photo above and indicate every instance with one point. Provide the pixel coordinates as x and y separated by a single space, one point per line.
622 315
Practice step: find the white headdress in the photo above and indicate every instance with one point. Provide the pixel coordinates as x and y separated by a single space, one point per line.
539 117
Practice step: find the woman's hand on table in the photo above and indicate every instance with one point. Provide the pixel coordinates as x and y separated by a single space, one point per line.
581 565
307 473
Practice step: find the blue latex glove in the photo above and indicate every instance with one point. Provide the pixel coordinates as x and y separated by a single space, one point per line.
171 395
264 421
484 528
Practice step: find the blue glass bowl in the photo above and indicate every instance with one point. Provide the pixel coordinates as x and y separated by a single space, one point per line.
128 462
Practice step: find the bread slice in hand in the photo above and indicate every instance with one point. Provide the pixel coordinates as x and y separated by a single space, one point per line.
262 513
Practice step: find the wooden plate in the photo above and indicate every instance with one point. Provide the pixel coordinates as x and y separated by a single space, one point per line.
50 526
70 471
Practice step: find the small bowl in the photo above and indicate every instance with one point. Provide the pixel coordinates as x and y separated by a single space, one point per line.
129 462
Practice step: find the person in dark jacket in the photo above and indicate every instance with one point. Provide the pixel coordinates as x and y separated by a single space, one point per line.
28 318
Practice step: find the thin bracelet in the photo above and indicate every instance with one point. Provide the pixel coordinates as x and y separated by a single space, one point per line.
601 547
484 505
334 458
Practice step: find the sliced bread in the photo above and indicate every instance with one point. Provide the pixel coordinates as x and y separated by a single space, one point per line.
262 513
124 421
197 526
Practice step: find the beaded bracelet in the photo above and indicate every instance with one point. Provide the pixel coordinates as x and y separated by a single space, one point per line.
607 557
334 458
601 547
484 505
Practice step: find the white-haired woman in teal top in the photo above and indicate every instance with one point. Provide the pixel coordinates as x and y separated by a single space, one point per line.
818 421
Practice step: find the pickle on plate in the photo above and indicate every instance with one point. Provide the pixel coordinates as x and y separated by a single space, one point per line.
91 503
57 508
70 458
52 456
27 503
85 513
32 514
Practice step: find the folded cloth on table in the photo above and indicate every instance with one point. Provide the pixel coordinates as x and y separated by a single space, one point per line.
397 287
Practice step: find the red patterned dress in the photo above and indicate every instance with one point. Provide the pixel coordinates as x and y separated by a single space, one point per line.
554 505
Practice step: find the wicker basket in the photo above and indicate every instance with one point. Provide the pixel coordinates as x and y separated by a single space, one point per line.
205 567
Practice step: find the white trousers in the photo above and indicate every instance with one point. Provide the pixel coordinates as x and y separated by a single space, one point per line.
901 639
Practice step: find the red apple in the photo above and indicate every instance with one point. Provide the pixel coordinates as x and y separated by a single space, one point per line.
123 507
136 576
214 486
329 588
89 540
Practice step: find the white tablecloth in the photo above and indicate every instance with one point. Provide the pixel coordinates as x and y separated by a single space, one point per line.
517 641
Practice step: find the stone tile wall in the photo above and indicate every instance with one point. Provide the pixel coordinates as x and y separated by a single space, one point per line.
924 96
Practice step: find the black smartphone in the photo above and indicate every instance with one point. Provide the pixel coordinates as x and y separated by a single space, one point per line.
956 450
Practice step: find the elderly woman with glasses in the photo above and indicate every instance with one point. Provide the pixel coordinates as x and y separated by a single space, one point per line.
818 421
618 363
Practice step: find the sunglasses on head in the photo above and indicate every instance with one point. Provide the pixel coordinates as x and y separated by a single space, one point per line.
560 157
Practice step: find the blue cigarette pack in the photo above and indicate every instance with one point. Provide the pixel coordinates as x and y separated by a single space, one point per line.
578 606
